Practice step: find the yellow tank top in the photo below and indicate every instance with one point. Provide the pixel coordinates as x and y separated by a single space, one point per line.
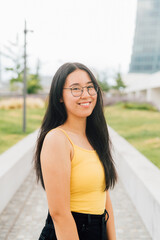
87 184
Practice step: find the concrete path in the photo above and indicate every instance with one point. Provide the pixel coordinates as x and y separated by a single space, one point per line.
25 215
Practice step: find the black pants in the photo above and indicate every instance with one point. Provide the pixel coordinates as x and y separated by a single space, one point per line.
89 226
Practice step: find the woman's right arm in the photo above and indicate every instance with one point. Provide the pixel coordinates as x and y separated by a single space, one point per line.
56 170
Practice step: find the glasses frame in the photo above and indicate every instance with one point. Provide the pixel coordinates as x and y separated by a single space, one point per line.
95 87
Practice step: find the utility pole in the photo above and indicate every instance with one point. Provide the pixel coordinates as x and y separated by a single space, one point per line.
25 76
24 79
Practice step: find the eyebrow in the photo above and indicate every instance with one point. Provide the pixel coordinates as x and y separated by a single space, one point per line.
79 84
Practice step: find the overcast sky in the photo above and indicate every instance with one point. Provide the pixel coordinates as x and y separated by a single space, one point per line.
98 33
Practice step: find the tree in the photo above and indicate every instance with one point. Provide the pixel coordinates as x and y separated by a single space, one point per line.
33 83
15 54
102 81
119 83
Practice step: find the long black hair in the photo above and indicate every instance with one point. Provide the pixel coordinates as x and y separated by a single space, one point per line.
96 128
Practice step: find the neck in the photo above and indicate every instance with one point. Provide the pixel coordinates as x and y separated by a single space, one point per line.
76 125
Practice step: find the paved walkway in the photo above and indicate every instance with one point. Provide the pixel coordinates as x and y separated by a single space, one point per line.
25 215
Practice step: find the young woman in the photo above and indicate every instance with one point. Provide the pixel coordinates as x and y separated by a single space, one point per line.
73 159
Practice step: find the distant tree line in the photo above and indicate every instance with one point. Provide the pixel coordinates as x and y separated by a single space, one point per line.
15 54
102 78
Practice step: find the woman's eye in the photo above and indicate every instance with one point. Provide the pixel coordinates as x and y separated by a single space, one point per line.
90 87
76 89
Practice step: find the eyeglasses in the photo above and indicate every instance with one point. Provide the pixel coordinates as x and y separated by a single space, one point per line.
78 91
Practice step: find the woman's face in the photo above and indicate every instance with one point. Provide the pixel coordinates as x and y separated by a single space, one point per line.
81 106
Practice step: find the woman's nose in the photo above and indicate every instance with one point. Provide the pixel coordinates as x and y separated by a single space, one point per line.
85 92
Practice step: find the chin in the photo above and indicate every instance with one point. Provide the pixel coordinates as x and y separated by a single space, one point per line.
84 115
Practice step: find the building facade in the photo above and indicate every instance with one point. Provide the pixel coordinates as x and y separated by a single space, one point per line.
143 88
146 47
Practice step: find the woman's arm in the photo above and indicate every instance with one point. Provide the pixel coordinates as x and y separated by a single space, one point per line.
111 233
56 170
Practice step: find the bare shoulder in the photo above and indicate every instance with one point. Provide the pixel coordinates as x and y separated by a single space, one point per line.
55 149
55 145
55 137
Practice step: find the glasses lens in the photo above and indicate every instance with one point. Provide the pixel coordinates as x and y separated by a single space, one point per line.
92 90
76 92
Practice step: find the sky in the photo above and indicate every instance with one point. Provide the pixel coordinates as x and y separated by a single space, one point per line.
98 33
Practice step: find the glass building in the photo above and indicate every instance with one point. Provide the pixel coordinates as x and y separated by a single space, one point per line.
146 47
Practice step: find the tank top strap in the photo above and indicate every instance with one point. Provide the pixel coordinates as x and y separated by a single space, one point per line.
66 135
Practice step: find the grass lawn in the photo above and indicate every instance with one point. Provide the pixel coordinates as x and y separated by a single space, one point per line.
139 127
11 125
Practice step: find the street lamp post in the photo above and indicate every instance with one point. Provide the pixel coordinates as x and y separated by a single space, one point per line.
25 76
24 80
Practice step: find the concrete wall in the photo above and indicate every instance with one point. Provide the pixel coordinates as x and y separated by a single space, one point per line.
141 180
140 177
143 94
15 165
153 95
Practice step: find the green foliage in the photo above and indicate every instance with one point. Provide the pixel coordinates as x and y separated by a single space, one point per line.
14 53
140 128
33 84
119 83
139 106
104 86
102 81
16 83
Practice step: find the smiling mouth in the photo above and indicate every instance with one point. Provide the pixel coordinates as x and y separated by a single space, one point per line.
85 104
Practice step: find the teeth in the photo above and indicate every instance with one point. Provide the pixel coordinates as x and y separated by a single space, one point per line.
84 104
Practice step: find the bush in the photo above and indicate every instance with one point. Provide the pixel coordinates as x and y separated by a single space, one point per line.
139 106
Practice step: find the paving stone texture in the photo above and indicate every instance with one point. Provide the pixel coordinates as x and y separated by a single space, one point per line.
24 216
